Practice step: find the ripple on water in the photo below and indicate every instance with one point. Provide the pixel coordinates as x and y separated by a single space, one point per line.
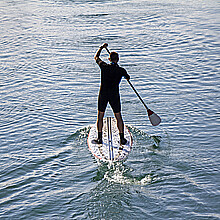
49 87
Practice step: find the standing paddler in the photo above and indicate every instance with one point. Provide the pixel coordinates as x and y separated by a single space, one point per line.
111 75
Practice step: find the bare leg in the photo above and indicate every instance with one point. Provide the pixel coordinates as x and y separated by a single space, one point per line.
99 127
120 122
120 125
100 121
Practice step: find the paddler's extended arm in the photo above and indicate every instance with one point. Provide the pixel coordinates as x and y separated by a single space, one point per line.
97 59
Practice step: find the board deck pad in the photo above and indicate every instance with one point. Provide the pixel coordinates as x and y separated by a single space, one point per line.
110 149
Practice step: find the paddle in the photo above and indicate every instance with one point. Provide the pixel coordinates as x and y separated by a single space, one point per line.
153 117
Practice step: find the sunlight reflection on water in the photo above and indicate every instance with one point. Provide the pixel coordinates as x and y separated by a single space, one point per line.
48 101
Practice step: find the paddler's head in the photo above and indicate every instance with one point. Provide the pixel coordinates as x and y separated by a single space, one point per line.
113 57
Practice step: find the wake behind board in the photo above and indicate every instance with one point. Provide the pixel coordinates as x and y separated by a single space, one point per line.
110 149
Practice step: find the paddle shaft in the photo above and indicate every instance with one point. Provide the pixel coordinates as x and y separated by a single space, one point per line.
137 94
107 50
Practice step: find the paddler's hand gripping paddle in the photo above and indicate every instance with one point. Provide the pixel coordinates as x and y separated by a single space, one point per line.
153 117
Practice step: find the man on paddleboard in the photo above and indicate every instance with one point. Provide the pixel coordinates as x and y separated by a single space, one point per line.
111 75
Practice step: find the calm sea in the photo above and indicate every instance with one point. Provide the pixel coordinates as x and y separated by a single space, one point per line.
49 84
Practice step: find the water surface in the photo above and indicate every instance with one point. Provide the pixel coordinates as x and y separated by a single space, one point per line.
48 102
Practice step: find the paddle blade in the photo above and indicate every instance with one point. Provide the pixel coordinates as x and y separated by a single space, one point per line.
153 117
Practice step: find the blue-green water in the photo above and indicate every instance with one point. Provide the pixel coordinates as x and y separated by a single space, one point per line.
49 84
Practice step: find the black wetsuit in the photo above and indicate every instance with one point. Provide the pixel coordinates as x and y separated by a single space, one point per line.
111 75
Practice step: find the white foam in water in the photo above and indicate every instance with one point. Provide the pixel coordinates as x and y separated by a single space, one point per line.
49 87
118 175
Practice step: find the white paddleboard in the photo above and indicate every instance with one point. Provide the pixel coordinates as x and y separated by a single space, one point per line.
110 149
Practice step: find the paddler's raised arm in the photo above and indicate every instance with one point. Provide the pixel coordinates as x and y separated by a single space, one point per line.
97 59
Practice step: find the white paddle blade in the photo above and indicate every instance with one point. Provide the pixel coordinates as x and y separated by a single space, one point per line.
154 118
